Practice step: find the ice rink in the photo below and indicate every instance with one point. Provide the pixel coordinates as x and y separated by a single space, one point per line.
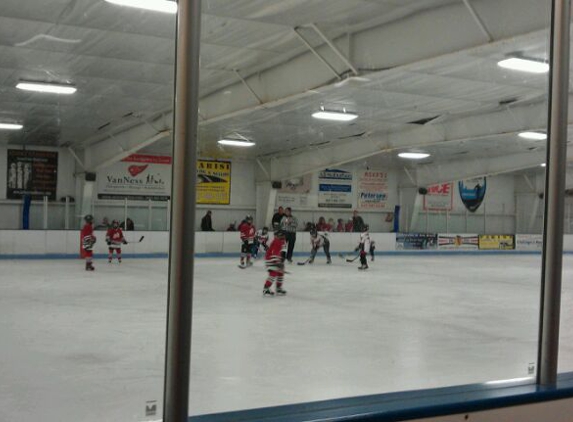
89 346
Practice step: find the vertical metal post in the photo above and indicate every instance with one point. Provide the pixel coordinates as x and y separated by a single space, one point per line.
554 194
67 214
427 222
45 212
149 212
168 217
125 212
484 219
447 221
182 234
466 222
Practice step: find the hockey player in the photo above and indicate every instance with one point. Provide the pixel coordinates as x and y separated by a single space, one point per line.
247 233
88 241
275 263
364 247
114 239
261 240
317 241
372 248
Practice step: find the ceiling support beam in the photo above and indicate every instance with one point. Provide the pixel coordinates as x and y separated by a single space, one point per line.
478 20
466 169
248 86
335 49
496 123
318 56
97 158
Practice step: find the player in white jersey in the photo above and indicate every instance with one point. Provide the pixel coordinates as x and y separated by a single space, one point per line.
261 240
317 241
364 247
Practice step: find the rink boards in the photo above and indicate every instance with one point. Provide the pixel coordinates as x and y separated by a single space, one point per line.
65 244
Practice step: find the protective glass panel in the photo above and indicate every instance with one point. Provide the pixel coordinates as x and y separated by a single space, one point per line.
406 117
77 344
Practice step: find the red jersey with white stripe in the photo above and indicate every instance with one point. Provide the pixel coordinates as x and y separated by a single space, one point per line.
275 252
88 238
247 232
115 236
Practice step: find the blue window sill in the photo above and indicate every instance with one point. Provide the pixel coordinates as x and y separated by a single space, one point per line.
406 405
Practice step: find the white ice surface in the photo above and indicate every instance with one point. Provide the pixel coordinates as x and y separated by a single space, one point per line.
77 346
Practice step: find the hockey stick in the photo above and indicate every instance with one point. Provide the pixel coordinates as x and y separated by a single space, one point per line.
139 241
304 262
348 259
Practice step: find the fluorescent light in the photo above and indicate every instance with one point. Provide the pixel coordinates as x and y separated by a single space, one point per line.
535 136
237 142
334 115
543 165
524 65
164 6
414 155
11 126
47 87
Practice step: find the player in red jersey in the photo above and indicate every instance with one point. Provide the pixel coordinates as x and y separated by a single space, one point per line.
275 263
88 240
114 239
247 233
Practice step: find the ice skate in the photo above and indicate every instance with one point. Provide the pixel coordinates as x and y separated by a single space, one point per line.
363 267
281 291
329 261
268 292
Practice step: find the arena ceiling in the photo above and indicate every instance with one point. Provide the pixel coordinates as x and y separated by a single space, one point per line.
421 75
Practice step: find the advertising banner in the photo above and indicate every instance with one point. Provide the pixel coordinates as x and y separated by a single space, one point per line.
458 241
529 242
416 241
498 242
137 177
294 192
439 197
372 190
472 192
334 189
33 173
213 182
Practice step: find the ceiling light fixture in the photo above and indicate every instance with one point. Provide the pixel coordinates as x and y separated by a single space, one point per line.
11 126
534 136
237 142
46 87
414 155
334 115
524 65
543 165
164 6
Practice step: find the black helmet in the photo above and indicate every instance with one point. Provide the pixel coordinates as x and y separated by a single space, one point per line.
365 228
265 230
313 232
89 218
249 218
115 223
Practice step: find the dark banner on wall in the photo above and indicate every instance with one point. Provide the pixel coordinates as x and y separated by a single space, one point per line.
33 173
498 242
416 241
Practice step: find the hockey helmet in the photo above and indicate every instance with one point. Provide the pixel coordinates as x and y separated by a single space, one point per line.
249 218
313 232
89 218
265 230
365 228
115 224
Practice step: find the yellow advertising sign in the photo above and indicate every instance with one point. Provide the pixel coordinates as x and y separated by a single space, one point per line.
497 242
213 182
